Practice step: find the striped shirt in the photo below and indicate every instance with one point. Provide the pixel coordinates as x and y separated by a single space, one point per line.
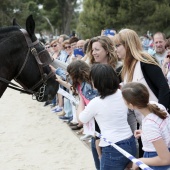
155 128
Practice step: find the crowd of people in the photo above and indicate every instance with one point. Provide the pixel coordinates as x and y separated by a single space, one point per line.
120 83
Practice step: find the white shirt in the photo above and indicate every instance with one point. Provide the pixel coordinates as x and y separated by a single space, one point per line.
139 77
111 116
155 128
160 57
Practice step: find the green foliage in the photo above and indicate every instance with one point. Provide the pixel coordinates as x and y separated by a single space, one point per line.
60 16
55 15
96 16
140 15
61 13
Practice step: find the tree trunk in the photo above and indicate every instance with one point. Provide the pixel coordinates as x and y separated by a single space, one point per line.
68 15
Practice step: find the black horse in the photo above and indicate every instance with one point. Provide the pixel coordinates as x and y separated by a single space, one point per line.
25 59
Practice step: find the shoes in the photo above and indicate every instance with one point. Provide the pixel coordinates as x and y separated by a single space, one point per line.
64 117
72 124
47 103
85 137
57 109
76 127
62 113
52 105
80 132
70 118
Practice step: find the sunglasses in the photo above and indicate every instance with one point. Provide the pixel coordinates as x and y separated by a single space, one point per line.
54 45
48 47
67 47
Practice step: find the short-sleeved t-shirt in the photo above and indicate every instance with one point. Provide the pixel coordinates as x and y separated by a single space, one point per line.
155 128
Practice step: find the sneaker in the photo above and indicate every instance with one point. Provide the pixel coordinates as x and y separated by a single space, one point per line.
57 109
64 117
62 113
68 120
52 105
47 103
85 137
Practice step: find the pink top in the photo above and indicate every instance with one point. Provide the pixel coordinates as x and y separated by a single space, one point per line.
86 101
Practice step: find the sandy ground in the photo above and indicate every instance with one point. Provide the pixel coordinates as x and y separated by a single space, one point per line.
33 138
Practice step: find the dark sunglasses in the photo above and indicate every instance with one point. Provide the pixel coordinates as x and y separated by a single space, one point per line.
54 46
67 47
48 47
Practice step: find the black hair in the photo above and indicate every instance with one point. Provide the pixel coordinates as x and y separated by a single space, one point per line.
73 40
104 79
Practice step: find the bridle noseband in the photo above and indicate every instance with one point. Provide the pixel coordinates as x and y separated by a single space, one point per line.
44 77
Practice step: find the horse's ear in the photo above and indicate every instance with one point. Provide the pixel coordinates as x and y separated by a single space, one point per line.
14 23
30 25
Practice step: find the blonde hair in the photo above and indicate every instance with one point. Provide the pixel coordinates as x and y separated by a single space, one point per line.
65 43
54 42
134 52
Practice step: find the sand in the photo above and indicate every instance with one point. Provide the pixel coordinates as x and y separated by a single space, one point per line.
33 138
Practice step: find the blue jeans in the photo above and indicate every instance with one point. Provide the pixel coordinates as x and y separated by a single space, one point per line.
54 101
67 108
153 154
112 159
95 154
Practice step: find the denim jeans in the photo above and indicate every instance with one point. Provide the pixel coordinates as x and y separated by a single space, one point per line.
95 154
54 101
153 154
112 159
67 108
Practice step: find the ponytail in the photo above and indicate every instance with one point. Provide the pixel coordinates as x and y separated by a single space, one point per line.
156 110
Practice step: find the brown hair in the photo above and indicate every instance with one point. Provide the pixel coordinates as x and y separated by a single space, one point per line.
73 40
79 72
137 94
108 46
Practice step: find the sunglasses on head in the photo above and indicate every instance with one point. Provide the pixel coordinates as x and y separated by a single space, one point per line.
54 45
67 47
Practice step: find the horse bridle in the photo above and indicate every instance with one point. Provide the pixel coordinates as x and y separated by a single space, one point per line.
44 76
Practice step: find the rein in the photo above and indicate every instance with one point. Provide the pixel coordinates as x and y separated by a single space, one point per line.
44 76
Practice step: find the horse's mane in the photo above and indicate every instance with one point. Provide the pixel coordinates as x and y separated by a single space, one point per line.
8 29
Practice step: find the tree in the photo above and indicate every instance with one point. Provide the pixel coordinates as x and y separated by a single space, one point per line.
60 13
140 15
96 16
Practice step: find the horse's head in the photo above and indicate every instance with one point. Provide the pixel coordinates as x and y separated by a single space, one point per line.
35 75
